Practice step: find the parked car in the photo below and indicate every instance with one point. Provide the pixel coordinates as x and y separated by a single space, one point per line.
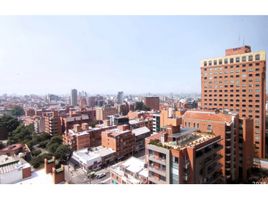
99 176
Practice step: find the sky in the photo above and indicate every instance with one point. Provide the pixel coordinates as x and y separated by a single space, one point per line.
107 54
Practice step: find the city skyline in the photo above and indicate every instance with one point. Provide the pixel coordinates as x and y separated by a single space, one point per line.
97 54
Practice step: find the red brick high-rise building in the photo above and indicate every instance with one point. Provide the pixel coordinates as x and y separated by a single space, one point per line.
237 82
152 102
237 139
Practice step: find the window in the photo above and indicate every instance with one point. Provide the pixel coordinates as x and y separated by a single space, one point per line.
231 60
209 63
237 59
225 61
257 57
220 61
250 58
215 62
205 63
244 59
209 128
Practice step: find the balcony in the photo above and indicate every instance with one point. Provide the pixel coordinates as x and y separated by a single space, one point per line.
213 168
162 172
156 180
156 159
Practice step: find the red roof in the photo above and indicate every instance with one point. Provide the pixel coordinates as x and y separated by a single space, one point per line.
208 116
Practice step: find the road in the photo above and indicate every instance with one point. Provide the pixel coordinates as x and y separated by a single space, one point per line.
79 176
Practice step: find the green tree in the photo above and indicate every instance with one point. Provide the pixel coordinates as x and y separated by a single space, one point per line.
63 153
36 152
22 134
7 125
52 147
17 111
141 106
56 139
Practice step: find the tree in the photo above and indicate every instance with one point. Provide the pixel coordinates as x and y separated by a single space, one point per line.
36 152
141 106
56 139
22 134
7 125
17 111
63 153
52 147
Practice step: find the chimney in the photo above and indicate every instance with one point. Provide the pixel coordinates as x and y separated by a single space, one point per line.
77 128
49 164
85 126
58 175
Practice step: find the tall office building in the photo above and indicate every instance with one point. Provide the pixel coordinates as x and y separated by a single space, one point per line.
237 82
74 97
120 96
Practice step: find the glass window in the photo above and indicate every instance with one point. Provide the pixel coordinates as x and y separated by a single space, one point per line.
244 58
257 57
250 58
225 61
231 60
237 59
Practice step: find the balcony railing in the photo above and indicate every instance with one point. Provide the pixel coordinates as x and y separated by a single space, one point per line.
157 170
157 159
156 180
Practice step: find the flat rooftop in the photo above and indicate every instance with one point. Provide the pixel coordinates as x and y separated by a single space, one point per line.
10 163
140 131
38 177
189 140
205 115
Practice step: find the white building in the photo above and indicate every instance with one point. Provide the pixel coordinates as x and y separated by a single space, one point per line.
93 158
13 169
131 171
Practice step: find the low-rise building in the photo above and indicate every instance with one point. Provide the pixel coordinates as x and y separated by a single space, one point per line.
121 140
140 135
84 136
131 171
13 169
93 158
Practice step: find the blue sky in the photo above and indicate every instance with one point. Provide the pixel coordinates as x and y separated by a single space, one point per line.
106 54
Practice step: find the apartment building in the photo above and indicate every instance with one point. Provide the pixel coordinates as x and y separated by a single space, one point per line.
52 123
103 112
237 82
121 140
183 157
83 136
152 102
130 171
237 140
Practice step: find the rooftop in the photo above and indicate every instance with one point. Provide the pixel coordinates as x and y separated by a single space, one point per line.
95 153
11 163
132 165
204 115
188 140
140 131
116 132
38 177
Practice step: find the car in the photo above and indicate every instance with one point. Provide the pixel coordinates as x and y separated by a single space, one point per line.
99 176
